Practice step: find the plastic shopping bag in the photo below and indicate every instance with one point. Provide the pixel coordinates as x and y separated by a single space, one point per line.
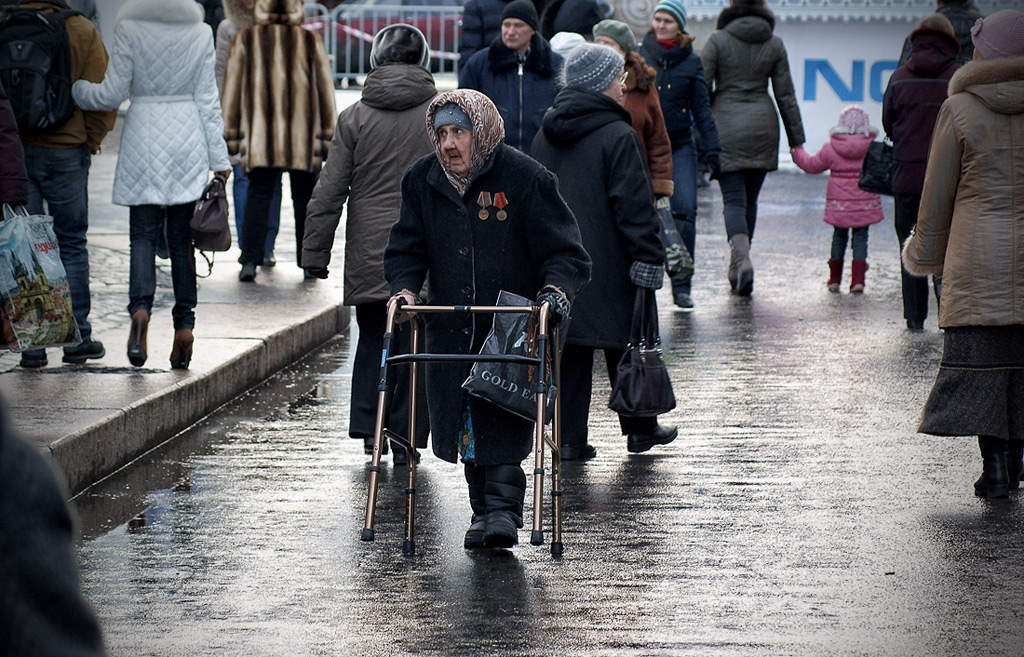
34 292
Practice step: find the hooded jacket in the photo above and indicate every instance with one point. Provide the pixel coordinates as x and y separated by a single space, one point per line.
587 141
644 109
740 58
375 141
522 92
970 227
962 19
162 58
278 98
683 92
912 99
846 204
88 62
579 16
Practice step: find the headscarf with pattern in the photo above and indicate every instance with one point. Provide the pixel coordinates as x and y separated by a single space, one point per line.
488 131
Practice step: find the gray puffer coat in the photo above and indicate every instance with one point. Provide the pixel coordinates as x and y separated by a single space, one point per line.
740 58
376 140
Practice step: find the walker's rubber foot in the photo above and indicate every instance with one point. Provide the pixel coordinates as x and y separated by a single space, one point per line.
536 538
409 547
367 535
556 548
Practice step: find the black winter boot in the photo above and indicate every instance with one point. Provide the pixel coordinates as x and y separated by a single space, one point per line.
504 491
1015 463
994 481
476 476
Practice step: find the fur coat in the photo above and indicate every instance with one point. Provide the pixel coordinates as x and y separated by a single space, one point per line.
278 98
644 109
971 218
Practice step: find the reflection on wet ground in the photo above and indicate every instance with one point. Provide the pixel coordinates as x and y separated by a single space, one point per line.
798 513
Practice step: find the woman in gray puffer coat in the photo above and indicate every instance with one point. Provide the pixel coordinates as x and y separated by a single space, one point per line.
748 124
375 141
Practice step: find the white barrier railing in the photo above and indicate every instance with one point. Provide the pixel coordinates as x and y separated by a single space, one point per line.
348 32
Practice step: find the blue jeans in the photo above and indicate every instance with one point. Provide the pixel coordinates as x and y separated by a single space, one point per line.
239 192
860 242
60 177
740 190
684 204
143 227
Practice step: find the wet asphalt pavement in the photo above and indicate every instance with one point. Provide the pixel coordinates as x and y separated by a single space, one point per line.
798 512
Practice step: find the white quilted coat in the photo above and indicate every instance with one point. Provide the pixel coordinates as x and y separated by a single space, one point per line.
163 59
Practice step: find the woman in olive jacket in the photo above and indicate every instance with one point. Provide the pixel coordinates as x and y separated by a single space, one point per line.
480 217
969 232
748 124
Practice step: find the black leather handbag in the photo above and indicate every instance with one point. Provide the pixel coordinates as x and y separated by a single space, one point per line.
876 172
209 224
642 385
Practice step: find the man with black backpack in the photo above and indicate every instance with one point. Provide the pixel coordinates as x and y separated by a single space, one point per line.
39 61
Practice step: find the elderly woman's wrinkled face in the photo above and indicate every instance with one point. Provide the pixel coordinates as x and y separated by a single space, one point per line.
664 26
456 148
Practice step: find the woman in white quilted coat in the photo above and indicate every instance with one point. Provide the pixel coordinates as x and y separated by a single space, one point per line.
163 59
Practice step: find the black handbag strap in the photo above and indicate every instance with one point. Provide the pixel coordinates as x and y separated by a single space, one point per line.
644 331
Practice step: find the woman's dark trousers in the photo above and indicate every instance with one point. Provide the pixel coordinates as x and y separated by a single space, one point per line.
262 182
915 288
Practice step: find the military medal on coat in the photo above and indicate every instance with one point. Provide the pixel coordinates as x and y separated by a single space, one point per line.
484 201
500 202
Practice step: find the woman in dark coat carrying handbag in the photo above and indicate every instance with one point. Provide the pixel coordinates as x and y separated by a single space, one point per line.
588 141
479 217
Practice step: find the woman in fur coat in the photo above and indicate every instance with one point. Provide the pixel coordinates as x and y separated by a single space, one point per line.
278 115
163 59
969 232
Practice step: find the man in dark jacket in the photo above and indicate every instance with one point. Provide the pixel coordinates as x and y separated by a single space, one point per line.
375 141
962 15
588 142
481 24
480 217
517 72
910 106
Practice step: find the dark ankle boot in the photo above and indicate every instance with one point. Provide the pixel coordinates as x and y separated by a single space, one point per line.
994 481
476 476
1014 463
504 491
137 338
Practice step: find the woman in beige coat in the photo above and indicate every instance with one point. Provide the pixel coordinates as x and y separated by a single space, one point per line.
969 231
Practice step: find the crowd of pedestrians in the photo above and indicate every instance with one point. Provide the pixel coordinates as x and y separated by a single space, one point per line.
539 176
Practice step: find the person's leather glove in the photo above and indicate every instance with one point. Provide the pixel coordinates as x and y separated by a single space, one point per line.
715 164
647 275
318 272
560 306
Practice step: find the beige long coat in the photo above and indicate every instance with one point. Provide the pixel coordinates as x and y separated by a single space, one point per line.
278 97
970 228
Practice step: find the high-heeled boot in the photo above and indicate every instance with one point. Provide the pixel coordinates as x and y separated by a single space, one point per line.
504 492
137 338
740 245
476 478
994 480
181 352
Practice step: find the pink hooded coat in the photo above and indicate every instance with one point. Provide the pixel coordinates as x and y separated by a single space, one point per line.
846 205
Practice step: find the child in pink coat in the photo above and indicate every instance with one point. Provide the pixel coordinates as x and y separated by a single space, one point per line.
847 207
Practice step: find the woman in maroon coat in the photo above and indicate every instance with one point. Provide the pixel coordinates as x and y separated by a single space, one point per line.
916 91
13 177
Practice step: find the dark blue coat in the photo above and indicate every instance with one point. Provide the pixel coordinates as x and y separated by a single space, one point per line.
481 24
683 93
521 92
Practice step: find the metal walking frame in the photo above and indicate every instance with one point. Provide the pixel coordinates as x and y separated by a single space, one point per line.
541 437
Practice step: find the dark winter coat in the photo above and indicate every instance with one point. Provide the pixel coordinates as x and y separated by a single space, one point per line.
683 92
644 107
579 16
521 92
588 142
740 58
911 103
376 140
469 261
963 19
13 176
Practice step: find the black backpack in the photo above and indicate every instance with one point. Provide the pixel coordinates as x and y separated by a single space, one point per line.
35 66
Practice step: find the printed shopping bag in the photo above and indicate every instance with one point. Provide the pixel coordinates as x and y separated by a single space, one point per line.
36 299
